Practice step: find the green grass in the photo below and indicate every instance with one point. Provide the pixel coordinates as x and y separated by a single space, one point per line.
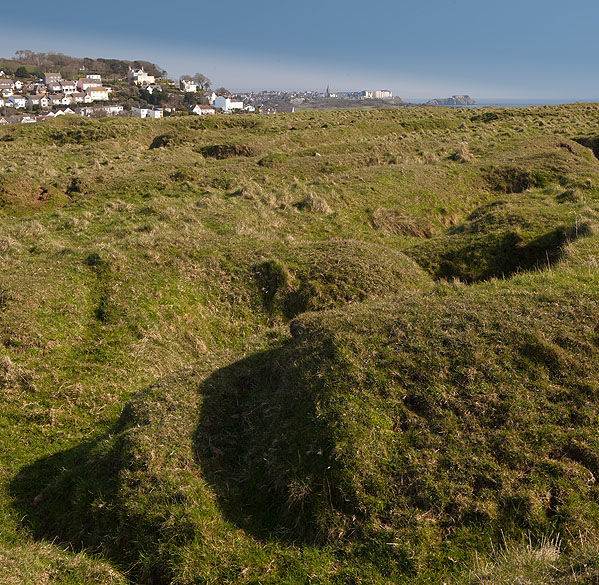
377 365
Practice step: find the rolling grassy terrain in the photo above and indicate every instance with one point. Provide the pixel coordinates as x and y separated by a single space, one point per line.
324 347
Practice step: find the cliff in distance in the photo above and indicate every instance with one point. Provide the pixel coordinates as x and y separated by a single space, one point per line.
456 100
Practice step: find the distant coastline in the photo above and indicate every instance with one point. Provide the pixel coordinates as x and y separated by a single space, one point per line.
513 103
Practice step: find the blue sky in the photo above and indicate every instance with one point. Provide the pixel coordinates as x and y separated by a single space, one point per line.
509 49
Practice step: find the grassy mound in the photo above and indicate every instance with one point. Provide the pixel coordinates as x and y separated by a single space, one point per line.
506 236
323 275
166 140
403 434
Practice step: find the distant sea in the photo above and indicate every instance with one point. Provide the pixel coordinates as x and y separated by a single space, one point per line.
517 103
506 103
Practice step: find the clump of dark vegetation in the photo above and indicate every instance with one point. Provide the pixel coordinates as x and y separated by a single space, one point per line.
272 277
78 186
222 151
513 179
165 140
569 196
315 203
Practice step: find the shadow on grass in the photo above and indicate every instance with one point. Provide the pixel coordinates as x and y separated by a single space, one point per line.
68 498
45 493
592 143
258 441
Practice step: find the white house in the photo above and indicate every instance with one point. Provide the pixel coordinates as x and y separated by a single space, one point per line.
80 97
3 122
68 87
84 84
202 110
6 87
226 104
28 120
107 110
113 110
381 94
95 76
52 78
18 85
59 99
63 112
54 87
140 77
146 112
211 98
188 86
37 100
16 101
97 93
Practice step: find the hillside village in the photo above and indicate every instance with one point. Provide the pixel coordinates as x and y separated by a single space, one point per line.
31 97
100 88
90 96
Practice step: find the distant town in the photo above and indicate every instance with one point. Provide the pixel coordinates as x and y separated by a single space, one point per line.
28 96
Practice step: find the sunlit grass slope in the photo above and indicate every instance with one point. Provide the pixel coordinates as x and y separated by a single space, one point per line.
327 347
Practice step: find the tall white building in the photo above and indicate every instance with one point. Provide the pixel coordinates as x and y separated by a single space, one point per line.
188 86
140 77
227 104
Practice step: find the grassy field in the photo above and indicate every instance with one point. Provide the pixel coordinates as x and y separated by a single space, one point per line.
323 347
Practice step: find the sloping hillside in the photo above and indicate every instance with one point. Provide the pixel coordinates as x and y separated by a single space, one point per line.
376 365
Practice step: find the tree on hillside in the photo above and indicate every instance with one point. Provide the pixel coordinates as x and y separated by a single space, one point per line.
59 62
150 68
222 91
191 99
199 79
156 98
21 72
29 57
202 81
